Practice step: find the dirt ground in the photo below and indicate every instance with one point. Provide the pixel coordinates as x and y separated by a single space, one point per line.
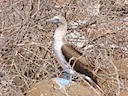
97 28
52 88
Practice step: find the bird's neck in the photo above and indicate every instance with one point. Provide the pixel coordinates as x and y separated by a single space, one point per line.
60 33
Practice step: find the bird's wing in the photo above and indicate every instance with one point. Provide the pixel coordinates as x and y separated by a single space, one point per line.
81 65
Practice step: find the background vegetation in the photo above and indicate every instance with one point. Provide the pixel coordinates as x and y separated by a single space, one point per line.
26 56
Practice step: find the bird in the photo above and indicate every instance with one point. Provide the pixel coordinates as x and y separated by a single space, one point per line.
65 52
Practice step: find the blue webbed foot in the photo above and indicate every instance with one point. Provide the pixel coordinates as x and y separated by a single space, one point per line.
64 81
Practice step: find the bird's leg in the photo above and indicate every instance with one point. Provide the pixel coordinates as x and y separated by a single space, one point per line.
70 78
65 75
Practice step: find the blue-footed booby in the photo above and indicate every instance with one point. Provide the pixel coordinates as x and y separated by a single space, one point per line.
64 52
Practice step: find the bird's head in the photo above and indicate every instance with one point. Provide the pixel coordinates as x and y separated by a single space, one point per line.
59 20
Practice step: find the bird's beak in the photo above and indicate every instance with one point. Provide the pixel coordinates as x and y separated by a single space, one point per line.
50 20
